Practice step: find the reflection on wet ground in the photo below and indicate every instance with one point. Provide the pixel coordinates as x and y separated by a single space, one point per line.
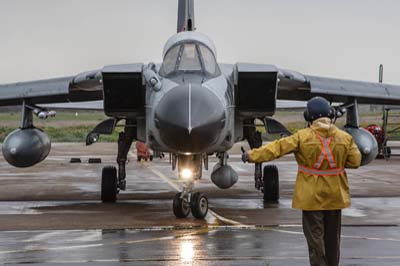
204 246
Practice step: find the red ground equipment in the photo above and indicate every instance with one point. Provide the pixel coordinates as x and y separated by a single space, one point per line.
143 152
379 135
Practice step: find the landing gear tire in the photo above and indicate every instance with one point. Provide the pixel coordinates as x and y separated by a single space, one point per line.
271 183
180 207
199 205
109 181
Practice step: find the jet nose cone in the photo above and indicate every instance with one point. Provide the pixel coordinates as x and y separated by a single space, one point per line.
190 118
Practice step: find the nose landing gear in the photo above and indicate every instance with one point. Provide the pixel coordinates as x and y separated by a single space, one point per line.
190 170
195 202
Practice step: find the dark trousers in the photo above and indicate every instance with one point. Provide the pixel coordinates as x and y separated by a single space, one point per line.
322 231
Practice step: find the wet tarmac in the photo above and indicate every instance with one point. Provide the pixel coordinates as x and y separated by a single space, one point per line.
205 246
50 214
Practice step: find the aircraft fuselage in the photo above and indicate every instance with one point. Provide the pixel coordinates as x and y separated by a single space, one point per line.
193 111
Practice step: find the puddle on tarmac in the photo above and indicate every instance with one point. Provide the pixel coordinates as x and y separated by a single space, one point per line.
353 212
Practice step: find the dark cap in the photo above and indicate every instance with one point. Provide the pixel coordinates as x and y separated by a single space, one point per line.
318 107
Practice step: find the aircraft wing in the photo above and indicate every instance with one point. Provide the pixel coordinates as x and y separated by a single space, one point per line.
290 105
86 86
296 86
87 105
98 105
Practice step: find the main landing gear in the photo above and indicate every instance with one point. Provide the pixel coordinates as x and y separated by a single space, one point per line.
266 180
113 180
270 186
109 184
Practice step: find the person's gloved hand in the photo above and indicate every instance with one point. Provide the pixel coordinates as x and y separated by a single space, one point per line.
245 155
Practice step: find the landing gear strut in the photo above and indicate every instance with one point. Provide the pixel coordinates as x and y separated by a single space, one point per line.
111 182
266 181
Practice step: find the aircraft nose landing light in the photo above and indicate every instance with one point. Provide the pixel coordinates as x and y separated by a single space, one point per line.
187 174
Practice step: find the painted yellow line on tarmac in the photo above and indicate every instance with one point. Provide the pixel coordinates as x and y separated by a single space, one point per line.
225 220
158 173
163 177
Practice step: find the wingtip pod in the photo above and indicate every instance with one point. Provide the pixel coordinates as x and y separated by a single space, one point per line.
185 15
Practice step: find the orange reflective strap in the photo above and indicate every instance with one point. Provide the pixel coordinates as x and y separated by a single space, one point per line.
321 156
328 172
326 153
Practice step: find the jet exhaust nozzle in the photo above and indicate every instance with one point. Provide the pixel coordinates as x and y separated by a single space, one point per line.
26 147
224 176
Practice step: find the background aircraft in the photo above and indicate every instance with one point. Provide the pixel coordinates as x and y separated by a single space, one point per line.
190 106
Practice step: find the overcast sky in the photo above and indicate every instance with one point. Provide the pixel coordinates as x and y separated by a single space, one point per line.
343 38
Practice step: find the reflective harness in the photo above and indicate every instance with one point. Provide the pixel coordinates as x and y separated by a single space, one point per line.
326 154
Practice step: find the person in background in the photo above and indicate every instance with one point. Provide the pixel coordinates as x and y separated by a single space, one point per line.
321 191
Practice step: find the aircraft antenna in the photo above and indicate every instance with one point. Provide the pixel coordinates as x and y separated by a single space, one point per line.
380 73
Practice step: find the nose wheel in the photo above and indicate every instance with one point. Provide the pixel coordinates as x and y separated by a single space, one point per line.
195 202
181 206
199 205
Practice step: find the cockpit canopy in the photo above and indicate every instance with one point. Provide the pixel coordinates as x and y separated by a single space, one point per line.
189 57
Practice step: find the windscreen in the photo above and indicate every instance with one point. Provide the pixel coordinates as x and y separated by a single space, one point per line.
208 59
171 59
189 57
189 60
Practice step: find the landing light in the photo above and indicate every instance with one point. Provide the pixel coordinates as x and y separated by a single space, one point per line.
186 174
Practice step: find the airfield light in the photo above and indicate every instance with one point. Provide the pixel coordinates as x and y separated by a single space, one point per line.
186 174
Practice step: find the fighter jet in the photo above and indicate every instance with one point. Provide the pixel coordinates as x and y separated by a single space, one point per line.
190 106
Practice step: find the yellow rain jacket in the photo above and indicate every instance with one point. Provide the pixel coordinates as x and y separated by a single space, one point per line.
322 152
